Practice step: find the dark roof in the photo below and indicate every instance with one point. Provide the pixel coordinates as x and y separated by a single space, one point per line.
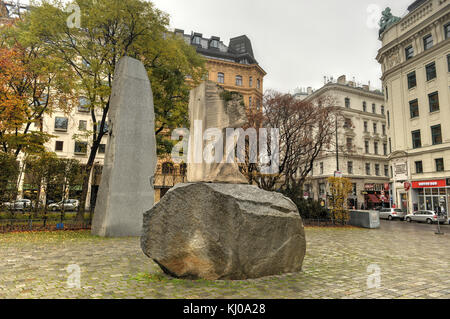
239 49
415 5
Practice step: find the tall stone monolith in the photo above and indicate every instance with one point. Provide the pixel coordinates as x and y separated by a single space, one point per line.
126 191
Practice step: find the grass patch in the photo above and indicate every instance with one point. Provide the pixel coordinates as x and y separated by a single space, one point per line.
42 237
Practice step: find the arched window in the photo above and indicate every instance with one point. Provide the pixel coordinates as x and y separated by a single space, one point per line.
347 102
220 77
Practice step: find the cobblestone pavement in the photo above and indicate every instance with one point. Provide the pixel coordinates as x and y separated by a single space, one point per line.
412 260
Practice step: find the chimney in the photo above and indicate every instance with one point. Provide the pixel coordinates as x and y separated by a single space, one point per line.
309 90
341 80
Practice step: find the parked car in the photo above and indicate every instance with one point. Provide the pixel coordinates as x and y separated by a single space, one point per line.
69 205
392 213
427 216
20 204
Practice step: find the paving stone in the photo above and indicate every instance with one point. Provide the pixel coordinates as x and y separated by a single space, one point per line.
335 266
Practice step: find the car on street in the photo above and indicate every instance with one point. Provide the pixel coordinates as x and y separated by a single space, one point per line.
69 205
20 204
427 216
392 213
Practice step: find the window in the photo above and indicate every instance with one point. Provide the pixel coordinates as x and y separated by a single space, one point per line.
59 146
409 52
386 170
238 80
419 167
375 128
82 125
436 134
250 81
390 145
431 71
258 83
447 31
375 147
377 169
61 124
349 144
196 40
366 146
417 142
433 99
414 108
412 82
385 149
365 127
367 168
80 147
350 167
364 106
448 62
439 164
382 109
102 148
383 129
374 109
348 123
427 42
322 189
220 77
387 93
388 119
83 105
347 102
321 168
105 128
250 102
214 44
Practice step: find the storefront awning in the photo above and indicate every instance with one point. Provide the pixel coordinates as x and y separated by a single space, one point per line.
373 198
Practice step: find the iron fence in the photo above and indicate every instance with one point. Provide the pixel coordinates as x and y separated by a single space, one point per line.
324 222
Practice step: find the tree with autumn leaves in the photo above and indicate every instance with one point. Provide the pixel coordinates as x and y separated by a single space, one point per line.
87 56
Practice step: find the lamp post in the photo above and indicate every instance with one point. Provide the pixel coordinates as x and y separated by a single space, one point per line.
337 145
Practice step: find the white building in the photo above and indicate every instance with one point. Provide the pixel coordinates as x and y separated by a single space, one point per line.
362 145
415 60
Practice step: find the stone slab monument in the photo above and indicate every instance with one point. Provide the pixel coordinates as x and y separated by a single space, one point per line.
217 226
126 190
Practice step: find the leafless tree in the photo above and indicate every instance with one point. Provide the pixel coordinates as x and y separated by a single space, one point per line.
307 129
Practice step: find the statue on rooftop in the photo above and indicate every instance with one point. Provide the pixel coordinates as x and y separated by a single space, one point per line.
387 19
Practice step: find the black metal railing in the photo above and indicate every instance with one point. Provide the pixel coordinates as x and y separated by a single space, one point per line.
324 222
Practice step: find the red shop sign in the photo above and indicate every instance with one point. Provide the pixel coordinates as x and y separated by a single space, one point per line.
427 184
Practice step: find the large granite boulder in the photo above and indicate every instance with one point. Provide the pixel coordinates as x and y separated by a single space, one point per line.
224 231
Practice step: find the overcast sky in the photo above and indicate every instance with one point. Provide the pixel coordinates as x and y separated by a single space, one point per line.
297 42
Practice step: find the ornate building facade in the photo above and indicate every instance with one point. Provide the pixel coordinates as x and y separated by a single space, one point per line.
362 145
233 67
415 61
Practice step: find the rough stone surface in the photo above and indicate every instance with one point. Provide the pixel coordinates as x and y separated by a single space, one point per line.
224 231
208 110
125 191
